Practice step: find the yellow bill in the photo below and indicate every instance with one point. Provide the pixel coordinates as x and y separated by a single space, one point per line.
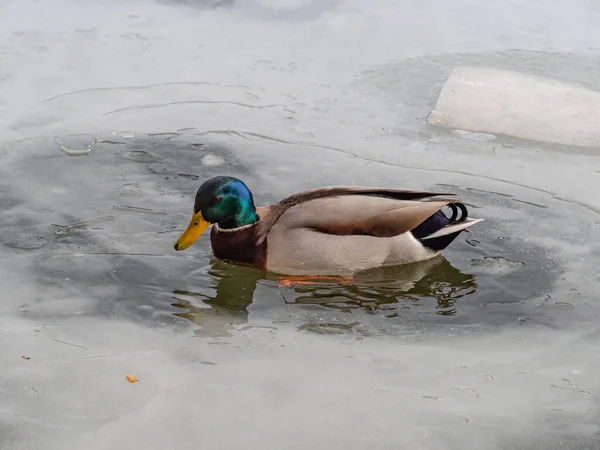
193 231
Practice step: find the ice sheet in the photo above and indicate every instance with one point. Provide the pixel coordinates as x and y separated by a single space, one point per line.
519 105
494 347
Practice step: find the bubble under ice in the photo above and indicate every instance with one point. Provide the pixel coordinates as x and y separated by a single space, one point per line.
285 86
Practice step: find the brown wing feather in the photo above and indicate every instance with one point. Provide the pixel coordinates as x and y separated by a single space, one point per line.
377 223
336 191
275 211
388 224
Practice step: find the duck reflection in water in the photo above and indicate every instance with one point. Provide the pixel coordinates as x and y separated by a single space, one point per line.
234 288
383 291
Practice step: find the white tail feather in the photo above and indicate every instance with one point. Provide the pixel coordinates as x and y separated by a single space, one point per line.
449 229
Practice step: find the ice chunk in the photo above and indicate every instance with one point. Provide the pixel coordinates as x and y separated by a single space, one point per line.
486 100
212 160
22 240
497 264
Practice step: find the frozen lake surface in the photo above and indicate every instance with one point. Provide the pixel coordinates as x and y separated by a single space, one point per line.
111 115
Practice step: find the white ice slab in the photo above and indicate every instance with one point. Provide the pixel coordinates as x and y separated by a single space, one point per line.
516 104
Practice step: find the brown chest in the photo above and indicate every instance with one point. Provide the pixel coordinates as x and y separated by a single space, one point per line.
239 247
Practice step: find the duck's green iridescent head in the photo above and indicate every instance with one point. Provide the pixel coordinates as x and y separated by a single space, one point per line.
226 201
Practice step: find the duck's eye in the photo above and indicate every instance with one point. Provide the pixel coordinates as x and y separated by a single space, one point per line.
215 200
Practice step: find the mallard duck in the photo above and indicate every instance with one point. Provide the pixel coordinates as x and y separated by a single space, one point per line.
326 231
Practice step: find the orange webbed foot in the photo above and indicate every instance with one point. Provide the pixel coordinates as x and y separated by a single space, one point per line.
304 280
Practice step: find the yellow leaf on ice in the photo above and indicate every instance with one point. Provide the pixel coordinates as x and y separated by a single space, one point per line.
131 378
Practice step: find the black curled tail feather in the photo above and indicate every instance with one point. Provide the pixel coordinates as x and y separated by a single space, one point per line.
455 218
438 221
